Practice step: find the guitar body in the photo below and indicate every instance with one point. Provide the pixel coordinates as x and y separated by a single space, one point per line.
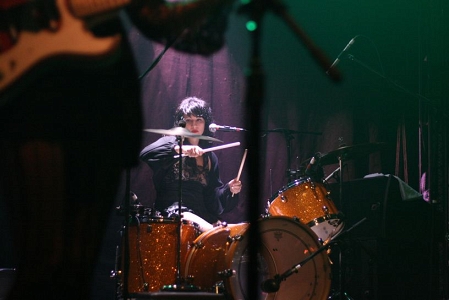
33 51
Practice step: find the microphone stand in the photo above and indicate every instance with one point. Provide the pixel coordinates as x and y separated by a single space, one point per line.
254 102
273 285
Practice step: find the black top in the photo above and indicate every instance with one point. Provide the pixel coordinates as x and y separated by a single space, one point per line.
203 192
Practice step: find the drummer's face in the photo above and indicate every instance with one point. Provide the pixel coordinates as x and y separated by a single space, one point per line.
195 124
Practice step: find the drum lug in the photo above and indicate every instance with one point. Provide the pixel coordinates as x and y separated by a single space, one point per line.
146 286
190 279
115 274
281 195
312 183
325 210
198 245
219 287
149 228
226 273
237 237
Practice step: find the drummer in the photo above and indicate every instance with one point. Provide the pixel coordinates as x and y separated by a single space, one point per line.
204 196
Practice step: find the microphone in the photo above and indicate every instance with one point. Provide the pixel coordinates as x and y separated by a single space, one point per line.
270 285
312 162
214 127
337 60
133 197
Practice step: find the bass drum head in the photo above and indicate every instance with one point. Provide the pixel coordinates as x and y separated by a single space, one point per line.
285 243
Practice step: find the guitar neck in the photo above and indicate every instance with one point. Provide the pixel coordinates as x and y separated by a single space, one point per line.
89 8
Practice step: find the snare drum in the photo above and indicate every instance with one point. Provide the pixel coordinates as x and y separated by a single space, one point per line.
309 202
153 252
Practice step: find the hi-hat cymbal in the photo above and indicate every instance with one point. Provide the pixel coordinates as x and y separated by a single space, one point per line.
180 131
350 152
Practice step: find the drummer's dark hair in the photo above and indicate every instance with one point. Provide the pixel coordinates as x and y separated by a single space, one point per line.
195 106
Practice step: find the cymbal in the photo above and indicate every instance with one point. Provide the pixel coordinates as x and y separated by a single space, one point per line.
180 131
350 152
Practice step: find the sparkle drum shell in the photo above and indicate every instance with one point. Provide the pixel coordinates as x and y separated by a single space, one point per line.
153 252
207 258
311 204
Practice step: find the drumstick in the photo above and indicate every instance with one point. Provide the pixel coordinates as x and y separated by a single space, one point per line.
221 147
217 148
241 166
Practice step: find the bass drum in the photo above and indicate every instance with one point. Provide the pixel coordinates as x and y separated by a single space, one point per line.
285 243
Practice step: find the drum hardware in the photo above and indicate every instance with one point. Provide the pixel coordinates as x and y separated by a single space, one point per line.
334 174
219 287
198 245
237 237
226 273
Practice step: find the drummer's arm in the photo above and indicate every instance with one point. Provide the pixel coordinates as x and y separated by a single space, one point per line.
222 191
161 152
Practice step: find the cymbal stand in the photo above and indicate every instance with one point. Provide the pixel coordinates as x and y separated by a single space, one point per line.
179 284
341 294
289 138
288 135
331 175
126 213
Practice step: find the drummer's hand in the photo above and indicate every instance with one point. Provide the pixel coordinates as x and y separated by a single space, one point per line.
235 186
190 151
